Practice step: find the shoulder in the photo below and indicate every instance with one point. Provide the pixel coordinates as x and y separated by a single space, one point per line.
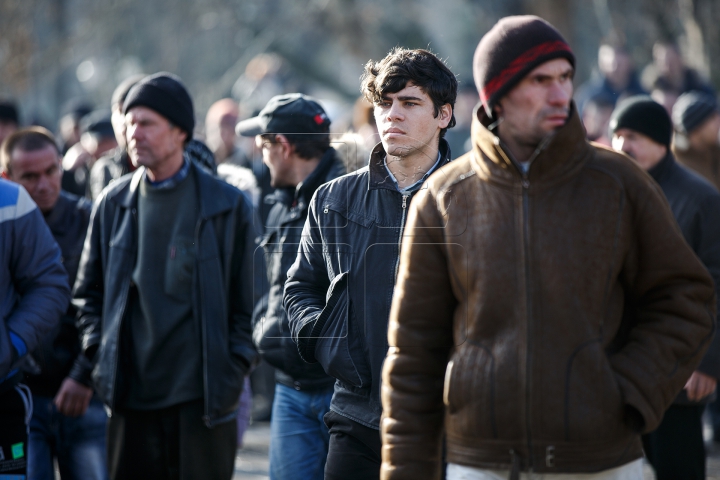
218 191
697 188
15 202
344 186
618 167
452 173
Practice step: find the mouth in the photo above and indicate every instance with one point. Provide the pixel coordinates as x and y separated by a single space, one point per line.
393 131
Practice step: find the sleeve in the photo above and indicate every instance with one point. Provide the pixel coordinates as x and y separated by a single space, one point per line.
707 247
247 283
40 279
420 339
307 285
88 295
670 313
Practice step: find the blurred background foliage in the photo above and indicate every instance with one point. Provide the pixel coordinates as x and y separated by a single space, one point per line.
52 51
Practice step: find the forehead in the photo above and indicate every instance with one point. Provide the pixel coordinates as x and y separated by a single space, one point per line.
633 134
556 66
410 90
35 159
143 113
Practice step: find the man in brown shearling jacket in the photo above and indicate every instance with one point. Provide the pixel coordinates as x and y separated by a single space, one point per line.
547 309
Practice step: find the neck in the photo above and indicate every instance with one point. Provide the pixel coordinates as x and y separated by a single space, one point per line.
303 168
166 169
520 151
409 169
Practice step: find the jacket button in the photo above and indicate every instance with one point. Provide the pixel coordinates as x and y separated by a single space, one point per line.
297 385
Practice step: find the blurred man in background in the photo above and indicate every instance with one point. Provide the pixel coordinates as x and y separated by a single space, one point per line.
9 119
115 164
220 121
68 424
617 76
293 132
642 129
669 71
696 120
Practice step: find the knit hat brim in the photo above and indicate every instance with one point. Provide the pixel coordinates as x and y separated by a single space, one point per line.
512 49
164 93
644 115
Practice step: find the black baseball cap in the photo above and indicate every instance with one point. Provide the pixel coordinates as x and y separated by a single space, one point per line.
286 114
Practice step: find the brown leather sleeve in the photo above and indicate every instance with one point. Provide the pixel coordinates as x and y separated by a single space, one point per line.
420 339
673 306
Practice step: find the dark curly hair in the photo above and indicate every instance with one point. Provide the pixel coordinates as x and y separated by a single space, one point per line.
421 67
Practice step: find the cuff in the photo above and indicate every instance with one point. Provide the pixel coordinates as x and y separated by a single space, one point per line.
81 371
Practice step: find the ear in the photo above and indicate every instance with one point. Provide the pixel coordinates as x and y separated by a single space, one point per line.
4 175
445 115
497 109
285 145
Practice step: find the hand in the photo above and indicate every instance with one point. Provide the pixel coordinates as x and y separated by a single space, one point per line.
73 398
700 386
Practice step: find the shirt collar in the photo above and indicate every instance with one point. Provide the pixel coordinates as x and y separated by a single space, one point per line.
173 181
415 186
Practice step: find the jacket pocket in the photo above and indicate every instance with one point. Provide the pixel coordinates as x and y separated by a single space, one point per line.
593 403
339 353
469 392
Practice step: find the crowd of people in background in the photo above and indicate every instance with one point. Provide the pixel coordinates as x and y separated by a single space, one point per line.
227 231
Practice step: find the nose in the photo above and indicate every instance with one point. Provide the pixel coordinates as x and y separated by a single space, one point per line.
43 183
560 93
394 112
132 132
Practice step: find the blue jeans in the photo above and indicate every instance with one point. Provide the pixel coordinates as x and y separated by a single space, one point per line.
77 443
298 435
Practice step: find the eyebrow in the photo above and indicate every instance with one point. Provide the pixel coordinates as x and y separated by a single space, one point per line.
406 98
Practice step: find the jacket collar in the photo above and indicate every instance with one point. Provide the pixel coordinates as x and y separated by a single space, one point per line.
304 191
663 169
57 215
379 177
557 157
212 200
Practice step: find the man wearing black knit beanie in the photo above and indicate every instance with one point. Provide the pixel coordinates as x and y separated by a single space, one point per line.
547 309
165 296
641 128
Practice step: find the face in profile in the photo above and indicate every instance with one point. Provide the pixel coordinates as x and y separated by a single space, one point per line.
645 151
152 139
538 105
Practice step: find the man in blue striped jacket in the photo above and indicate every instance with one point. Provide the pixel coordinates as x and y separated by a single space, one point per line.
34 294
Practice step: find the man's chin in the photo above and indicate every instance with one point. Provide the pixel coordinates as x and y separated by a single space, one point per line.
397 150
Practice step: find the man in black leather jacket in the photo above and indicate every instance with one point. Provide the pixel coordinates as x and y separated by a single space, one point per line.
339 289
293 133
643 129
165 298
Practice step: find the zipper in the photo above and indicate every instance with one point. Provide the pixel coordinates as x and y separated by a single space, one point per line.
402 229
525 183
528 306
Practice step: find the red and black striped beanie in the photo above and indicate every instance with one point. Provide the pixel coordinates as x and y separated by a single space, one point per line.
510 50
